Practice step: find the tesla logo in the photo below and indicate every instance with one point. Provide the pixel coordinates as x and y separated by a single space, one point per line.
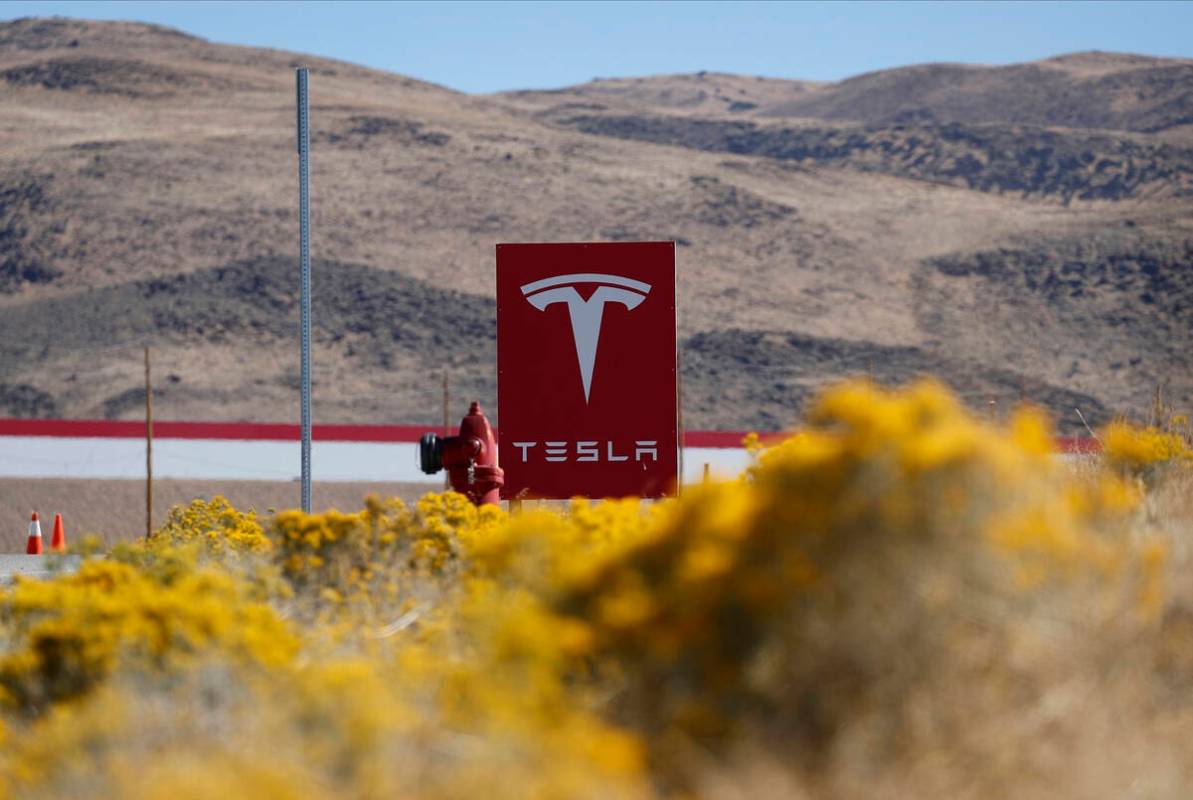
644 450
586 314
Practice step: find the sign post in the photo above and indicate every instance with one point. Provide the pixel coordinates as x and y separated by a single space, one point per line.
304 291
586 369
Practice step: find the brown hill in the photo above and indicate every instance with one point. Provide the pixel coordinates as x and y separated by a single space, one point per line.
1114 91
148 196
1084 90
703 93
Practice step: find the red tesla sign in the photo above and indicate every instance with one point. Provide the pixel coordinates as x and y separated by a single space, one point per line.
586 369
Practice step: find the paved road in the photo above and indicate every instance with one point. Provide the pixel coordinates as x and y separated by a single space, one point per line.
36 566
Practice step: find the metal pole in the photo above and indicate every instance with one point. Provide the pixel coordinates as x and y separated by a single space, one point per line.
304 250
148 450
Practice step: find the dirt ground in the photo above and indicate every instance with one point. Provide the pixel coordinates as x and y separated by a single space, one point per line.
115 509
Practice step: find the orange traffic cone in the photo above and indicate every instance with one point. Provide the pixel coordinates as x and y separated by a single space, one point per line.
34 546
58 537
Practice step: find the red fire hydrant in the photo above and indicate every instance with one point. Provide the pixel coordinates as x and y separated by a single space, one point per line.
470 458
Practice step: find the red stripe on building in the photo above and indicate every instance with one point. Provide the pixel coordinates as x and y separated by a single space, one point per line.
1078 445
1069 445
726 438
252 431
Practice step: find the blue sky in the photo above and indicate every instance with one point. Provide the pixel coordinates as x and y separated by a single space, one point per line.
482 47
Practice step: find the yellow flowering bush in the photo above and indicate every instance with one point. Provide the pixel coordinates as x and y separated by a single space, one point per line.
216 525
881 527
205 535
330 548
64 636
896 600
1143 450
